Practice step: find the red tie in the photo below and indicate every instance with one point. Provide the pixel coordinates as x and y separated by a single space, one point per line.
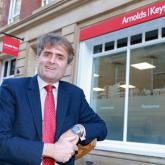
49 125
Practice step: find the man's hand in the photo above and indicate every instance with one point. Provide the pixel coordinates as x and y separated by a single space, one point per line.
69 134
62 150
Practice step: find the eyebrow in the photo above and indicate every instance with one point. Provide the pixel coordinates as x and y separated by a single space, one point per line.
58 54
47 51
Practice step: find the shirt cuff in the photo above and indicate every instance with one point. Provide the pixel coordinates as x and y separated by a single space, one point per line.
82 128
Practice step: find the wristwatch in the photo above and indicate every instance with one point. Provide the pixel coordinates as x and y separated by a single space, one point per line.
76 130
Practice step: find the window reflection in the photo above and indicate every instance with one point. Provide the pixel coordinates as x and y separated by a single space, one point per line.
107 97
146 102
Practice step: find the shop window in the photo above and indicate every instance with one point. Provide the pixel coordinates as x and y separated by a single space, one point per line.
163 32
109 45
107 97
146 92
151 35
8 68
14 11
122 42
136 39
45 2
97 48
146 106
127 85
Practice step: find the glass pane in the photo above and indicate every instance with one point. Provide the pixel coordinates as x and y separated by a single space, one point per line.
146 113
151 35
17 7
12 67
107 98
44 2
50 1
122 42
163 32
97 48
5 69
136 39
109 45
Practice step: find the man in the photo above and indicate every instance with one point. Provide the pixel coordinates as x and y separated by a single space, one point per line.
43 118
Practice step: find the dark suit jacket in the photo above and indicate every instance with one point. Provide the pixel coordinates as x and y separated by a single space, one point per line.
21 120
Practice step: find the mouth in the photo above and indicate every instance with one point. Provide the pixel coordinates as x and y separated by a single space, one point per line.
50 68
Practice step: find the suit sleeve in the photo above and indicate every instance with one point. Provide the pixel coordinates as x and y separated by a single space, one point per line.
95 126
14 149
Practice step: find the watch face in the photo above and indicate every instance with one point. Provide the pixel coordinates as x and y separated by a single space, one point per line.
76 130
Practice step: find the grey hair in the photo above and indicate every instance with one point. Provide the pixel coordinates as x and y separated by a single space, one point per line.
53 39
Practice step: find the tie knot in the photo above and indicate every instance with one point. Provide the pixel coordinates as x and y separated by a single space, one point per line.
49 88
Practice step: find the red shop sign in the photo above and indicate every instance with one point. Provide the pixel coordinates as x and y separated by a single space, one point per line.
147 13
10 46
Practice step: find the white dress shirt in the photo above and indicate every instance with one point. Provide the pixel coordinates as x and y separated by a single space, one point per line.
43 93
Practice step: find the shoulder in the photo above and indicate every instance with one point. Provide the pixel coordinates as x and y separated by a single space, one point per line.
69 87
17 83
13 86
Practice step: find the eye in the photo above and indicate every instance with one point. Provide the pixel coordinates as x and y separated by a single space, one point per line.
46 54
60 57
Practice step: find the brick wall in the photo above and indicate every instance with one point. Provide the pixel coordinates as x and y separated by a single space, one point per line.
28 6
4 11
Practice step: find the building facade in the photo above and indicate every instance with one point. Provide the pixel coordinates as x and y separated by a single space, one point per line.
119 64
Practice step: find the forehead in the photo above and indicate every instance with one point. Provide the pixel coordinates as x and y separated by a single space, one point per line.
56 46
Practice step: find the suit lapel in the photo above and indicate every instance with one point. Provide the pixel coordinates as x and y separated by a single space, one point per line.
35 104
62 105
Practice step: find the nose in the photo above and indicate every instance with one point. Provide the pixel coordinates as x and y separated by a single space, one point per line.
52 59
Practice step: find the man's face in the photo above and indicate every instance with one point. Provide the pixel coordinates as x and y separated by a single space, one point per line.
52 63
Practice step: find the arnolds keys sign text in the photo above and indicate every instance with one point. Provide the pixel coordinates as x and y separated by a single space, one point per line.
147 13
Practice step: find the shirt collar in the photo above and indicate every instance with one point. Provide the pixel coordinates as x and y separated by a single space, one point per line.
42 83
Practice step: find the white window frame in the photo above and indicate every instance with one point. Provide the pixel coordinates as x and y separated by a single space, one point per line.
13 15
8 69
84 81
